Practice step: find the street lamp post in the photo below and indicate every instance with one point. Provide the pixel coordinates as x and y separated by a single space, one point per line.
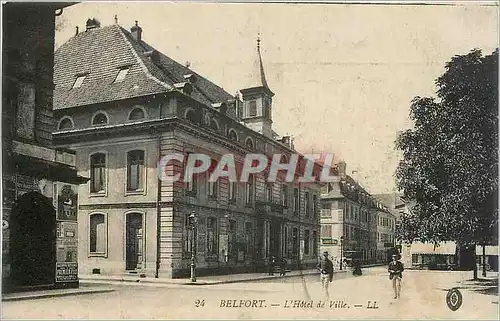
341 251
192 222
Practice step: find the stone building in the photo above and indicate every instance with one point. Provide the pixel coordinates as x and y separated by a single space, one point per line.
33 255
349 211
122 106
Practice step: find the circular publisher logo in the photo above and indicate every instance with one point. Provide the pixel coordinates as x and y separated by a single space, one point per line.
454 299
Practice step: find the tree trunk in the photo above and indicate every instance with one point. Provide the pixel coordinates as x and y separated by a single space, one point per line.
474 260
484 260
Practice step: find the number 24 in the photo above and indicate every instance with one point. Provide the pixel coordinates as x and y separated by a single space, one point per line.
199 303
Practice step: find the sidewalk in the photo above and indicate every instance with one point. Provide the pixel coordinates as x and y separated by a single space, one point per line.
29 295
203 280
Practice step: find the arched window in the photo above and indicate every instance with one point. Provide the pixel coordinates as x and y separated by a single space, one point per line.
232 135
136 114
65 123
97 234
100 119
249 142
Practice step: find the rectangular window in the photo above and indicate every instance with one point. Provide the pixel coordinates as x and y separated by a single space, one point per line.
341 215
252 108
315 242
325 209
295 240
286 247
212 244
187 245
250 190
315 200
296 201
213 188
191 179
97 173
326 231
232 239
307 205
269 192
135 170
249 237
306 242
284 195
233 188
98 234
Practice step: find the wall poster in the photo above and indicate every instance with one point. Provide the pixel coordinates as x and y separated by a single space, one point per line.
66 204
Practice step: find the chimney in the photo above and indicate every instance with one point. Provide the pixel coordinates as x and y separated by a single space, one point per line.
341 167
76 34
136 31
92 24
153 55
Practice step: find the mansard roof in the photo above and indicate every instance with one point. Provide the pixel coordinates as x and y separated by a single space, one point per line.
100 53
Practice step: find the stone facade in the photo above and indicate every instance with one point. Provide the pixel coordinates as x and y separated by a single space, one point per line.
351 213
134 223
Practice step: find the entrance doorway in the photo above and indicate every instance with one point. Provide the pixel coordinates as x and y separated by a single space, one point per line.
33 241
275 238
134 241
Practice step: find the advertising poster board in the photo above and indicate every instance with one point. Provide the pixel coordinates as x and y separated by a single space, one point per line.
66 204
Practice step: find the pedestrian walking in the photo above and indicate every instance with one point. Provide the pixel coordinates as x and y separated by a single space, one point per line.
395 275
283 263
325 267
272 264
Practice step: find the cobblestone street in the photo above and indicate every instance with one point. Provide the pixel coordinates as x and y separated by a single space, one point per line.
423 297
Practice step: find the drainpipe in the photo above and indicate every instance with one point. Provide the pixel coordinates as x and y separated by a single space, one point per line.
158 211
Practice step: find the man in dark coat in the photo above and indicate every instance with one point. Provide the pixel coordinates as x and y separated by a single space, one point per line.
325 267
283 263
272 264
396 274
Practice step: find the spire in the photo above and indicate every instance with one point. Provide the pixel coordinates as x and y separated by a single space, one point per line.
257 77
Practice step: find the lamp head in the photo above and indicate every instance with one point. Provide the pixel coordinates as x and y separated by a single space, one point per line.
193 218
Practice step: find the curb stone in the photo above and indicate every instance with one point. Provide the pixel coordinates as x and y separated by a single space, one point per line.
189 283
43 295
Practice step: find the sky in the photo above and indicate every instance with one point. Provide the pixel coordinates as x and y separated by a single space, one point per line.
343 74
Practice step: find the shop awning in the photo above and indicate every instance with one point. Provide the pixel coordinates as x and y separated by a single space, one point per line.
489 250
445 248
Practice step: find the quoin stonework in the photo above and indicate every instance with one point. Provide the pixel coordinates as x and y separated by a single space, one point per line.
123 107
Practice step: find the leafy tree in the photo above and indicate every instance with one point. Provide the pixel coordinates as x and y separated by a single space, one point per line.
449 169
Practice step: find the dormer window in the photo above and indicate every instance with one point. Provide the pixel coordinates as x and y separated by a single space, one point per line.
137 114
122 73
79 81
232 135
249 142
65 123
100 119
